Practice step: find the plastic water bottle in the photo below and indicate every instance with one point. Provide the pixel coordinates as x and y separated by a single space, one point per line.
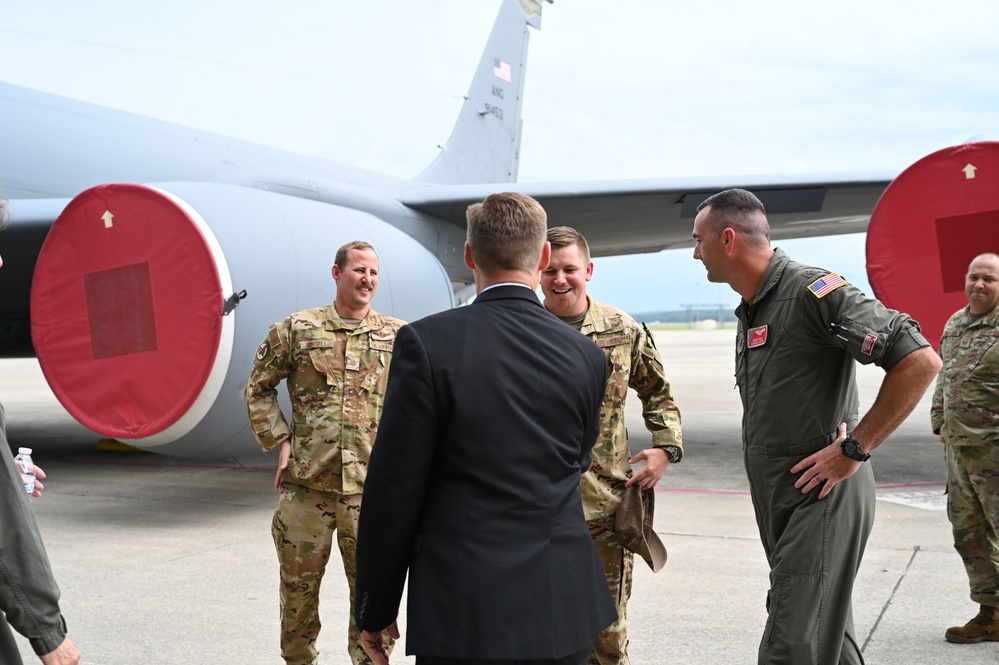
27 468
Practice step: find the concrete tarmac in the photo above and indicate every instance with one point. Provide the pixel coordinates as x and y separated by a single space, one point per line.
170 561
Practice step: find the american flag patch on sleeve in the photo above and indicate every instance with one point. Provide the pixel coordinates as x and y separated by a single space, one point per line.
827 284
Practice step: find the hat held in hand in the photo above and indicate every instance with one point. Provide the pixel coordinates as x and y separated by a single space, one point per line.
633 526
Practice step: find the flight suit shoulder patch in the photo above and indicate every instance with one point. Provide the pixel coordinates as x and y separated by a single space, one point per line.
825 285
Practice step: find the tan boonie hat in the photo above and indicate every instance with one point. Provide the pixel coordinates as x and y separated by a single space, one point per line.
633 526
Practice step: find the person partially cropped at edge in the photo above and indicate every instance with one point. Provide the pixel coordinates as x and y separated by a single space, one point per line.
29 595
965 413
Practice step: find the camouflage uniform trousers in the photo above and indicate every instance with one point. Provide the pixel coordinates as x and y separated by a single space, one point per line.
303 529
611 647
973 510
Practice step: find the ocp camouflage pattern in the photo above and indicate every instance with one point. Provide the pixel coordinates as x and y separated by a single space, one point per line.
336 378
966 398
635 363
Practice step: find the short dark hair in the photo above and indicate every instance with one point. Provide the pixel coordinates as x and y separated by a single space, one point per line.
738 209
506 231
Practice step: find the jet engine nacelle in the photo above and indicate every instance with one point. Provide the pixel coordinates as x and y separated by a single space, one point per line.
928 225
136 309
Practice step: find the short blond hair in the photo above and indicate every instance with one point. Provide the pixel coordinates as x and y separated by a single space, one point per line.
563 236
341 254
506 231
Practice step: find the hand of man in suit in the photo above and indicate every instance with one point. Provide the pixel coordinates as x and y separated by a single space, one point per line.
374 644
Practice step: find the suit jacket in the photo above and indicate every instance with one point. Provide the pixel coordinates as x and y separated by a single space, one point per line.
473 486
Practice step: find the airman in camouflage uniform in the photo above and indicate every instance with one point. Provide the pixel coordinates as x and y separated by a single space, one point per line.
335 360
634 363
965 414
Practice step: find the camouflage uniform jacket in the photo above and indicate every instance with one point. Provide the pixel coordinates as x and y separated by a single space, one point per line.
966 399
635 363
336 381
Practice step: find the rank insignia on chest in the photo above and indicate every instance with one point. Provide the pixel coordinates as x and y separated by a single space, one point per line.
352 361
756 337
383 335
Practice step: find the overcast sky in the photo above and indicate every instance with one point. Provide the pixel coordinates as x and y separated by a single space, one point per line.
634 89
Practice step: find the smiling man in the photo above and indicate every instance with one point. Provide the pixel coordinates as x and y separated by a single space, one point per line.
634 363
805 448
336 361
965 414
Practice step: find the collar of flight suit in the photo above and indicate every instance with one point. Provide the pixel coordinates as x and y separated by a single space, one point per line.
774 271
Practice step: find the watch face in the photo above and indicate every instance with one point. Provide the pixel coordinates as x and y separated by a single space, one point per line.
851 448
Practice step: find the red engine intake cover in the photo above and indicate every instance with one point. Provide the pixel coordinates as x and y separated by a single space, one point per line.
929 224
126 309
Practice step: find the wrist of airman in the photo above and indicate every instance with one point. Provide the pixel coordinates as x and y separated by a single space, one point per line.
674 452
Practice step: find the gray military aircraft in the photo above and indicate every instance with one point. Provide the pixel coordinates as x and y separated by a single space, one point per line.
144 277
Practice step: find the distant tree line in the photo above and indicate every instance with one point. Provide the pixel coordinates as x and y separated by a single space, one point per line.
720 314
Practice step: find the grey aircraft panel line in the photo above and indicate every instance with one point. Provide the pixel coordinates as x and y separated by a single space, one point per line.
170 561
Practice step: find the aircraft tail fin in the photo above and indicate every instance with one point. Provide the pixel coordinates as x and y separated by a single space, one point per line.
485 142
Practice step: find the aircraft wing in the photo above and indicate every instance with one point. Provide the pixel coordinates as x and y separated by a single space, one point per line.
649 215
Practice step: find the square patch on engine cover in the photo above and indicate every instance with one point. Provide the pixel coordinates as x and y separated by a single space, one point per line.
120 311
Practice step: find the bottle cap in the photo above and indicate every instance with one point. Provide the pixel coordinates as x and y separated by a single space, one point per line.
24 451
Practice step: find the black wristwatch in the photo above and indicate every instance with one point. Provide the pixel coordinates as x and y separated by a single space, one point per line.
674 452
851 448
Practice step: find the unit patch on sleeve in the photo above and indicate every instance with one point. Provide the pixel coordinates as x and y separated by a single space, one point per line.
869 342
826 285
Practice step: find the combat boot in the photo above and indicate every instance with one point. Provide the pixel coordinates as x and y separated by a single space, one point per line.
983 628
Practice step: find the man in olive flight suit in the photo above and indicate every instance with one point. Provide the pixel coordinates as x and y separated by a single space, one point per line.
965 414
634 363
29 595
800 331
336 361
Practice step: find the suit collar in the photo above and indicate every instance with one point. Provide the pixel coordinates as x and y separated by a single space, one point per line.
506 292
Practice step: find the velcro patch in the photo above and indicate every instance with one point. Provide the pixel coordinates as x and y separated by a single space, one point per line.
383 335
826 285
756 337
316 343
262 351
604 342
869 343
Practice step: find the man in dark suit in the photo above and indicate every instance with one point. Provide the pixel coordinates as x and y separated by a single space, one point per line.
473 484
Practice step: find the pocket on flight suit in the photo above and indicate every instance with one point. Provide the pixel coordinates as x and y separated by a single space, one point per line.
794 606
770 349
